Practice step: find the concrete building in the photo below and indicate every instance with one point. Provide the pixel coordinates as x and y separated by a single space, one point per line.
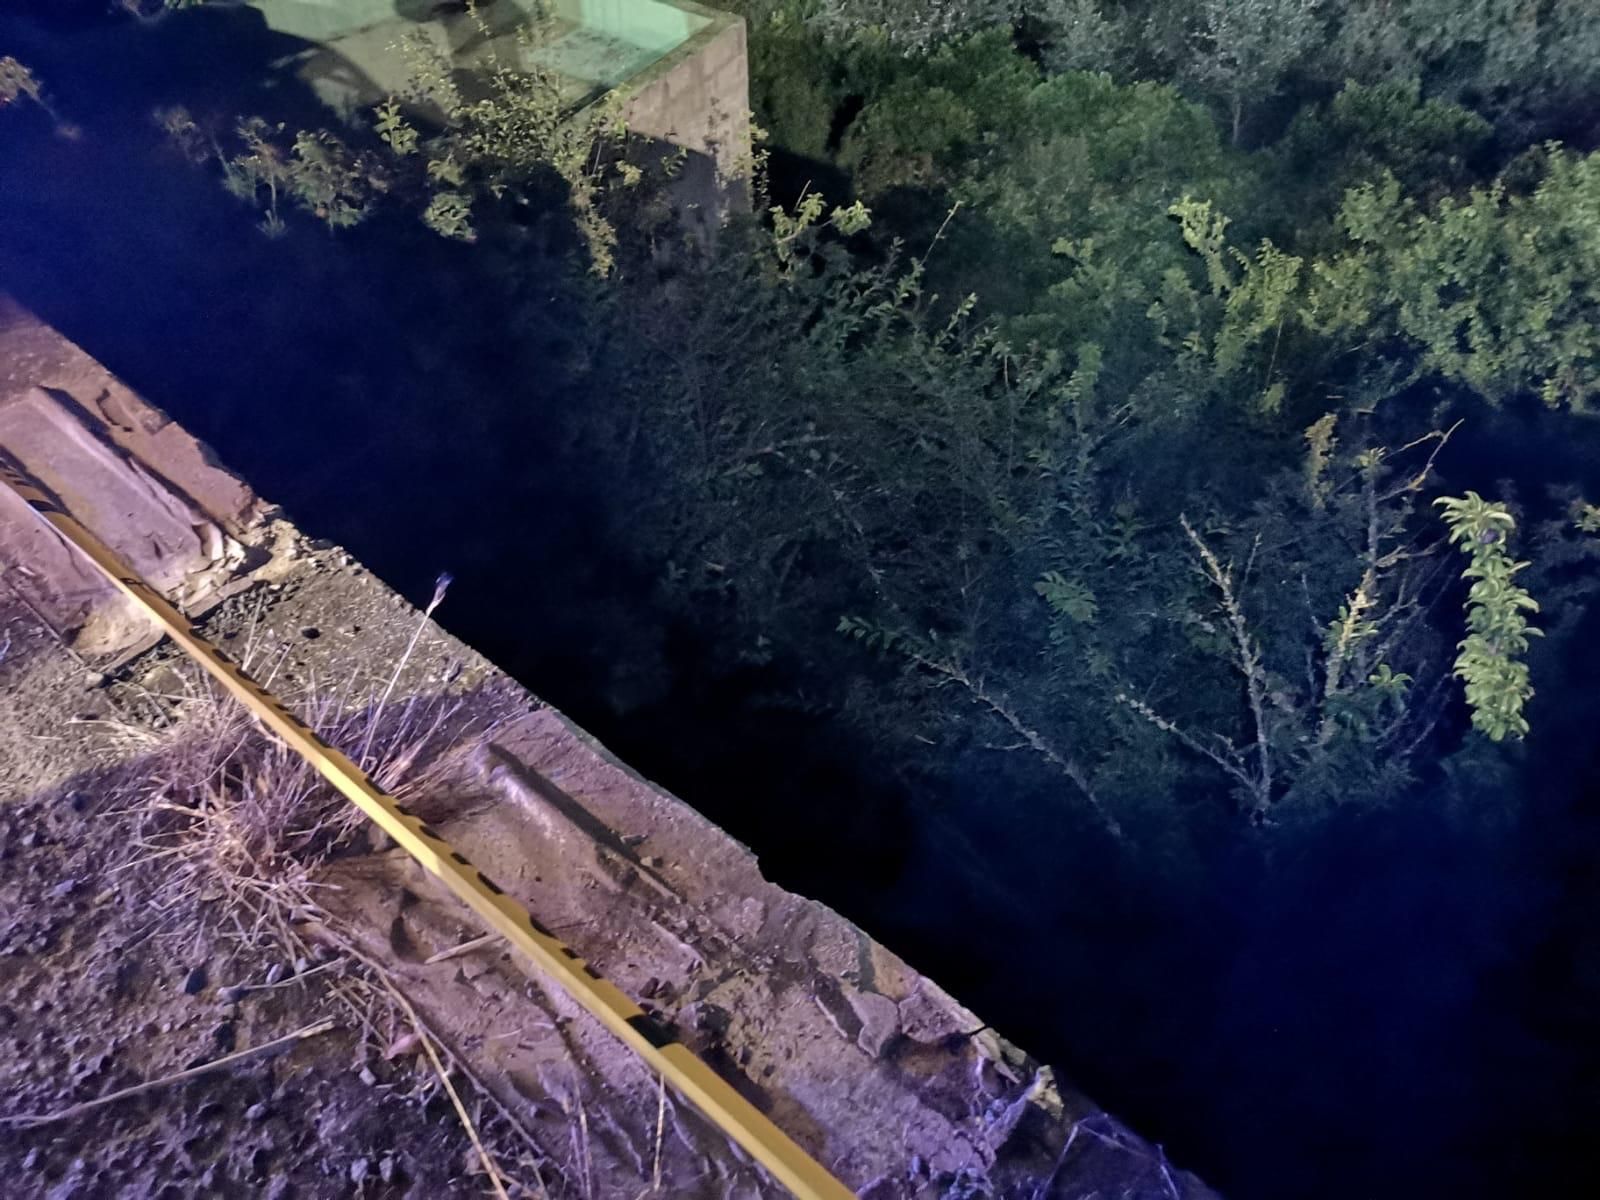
681 69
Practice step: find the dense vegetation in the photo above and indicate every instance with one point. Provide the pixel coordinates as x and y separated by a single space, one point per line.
1143 507
1153 482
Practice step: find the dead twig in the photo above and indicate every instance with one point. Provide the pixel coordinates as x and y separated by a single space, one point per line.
999 706
77 1110
450 1089
1247 659
376 715
374 978
476 943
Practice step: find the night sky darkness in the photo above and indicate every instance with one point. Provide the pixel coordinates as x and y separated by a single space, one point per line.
1399 1004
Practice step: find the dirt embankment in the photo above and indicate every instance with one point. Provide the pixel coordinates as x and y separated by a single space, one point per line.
176 888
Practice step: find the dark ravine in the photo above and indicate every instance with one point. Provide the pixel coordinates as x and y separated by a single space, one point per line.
1270 1021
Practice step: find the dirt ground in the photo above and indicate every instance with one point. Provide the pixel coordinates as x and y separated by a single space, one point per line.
92 1001
108 979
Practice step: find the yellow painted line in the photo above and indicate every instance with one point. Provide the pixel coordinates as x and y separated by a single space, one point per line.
710 1093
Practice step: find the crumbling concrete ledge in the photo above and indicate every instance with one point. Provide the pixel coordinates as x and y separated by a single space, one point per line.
870 1066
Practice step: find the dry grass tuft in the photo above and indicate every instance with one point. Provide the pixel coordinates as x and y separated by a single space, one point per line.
232 829
243 824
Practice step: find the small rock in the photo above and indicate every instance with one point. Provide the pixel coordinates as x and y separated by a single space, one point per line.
650 988
752 915
63 889
30 1162
95 679
225 1036
712 1019
360 1169
880 1021
275 972
194 982
386 1168
29 840
231 995
367 1077
256 1112
653 861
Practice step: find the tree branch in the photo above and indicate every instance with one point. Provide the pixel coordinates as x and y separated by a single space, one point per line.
998 706
1248 660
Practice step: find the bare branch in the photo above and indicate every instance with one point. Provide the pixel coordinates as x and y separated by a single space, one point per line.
1001 708
1247 659
1228 762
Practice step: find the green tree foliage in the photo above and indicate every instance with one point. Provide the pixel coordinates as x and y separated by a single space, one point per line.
1519 63
1254 295
797 81
921 25
1491 290
1240 51
914 482
1510 59
1495 289
1080 35
1490 659
931 117
1367 129
1072 176
1091 155
1319 619
1147 329
1155 334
